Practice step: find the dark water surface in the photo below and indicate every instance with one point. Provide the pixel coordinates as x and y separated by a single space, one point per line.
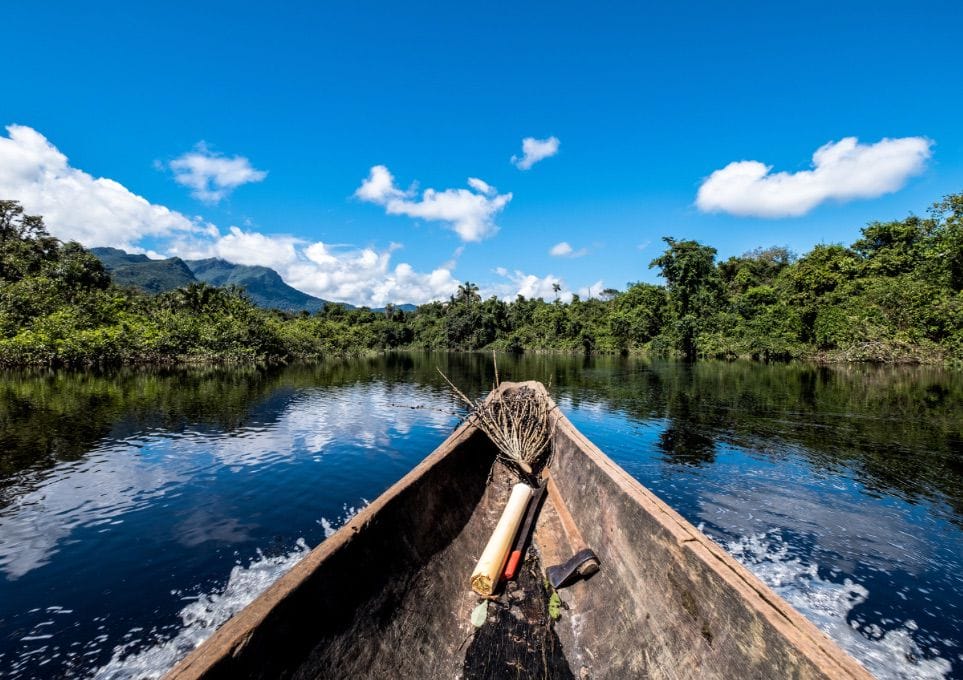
140 509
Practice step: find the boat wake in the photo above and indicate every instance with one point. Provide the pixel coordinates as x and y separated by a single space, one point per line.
893 654
208 612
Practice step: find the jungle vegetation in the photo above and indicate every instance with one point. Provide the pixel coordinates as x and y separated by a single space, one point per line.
894 296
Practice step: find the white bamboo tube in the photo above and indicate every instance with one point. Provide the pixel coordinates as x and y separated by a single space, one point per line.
492 562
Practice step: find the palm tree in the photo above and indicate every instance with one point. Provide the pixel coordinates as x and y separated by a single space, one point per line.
197 296
556 287
468 292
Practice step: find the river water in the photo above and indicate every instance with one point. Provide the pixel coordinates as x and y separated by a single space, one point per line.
141 509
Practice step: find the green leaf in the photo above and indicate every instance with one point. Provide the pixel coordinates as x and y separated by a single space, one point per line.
479 615
554 606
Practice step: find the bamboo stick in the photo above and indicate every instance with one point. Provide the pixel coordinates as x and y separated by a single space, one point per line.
485 577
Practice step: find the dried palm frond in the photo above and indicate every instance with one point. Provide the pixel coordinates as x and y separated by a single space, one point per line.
518 422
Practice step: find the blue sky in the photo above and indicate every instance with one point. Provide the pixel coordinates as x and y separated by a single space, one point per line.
273 119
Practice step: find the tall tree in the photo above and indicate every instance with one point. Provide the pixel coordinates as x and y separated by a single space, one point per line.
692 283
468 293
948 237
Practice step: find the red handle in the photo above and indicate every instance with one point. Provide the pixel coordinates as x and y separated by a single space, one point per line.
513 560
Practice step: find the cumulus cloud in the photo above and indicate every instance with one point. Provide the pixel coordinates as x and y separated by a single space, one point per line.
365 276
534 150
253 248
564 249
212 176
76 205
592 291
842 170
379 187
517 283
360 276
102 212
469 213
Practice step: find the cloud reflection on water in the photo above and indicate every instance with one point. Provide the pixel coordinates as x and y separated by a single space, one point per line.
118 478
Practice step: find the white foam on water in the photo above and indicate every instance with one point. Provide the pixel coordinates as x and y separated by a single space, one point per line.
202 617
208 612
347 513
893 655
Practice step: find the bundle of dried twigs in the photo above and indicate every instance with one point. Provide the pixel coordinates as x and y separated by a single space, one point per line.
518 422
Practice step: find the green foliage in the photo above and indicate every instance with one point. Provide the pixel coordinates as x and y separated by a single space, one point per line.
554 606
895 295
694 291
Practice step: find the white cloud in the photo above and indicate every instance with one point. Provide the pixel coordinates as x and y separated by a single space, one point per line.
365 276
379 187
519 283
102 212
531 286
452 262
75 205
250 247
481 185
593 291
564 249
360 276
842 170
534 150
470 214
212 176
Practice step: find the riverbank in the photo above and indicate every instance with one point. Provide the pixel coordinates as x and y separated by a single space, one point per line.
866 353
893 296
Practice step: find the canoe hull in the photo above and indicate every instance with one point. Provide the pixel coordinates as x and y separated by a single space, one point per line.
388 596
668 601
340 612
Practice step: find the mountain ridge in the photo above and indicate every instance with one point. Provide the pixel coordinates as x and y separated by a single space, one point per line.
139 271
263 285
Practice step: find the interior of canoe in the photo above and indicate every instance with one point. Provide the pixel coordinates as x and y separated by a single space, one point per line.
388 595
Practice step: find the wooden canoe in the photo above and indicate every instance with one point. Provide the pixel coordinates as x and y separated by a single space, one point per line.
387 596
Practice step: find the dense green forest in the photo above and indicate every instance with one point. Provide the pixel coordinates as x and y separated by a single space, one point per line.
895 295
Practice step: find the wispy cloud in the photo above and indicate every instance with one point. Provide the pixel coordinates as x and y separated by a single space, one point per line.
481 186
563 249
212 176
535 150
842 170
469 213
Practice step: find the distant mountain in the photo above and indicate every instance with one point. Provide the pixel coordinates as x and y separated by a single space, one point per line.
139 271
399 308
264 285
